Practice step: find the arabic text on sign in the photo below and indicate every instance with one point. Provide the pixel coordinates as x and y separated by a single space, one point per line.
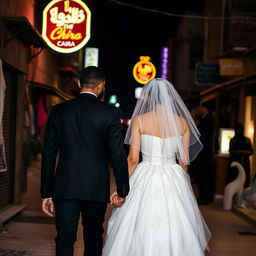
74 16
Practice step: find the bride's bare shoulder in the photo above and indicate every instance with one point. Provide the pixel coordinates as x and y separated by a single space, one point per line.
138 118
136 121
145 116
180 118
141 121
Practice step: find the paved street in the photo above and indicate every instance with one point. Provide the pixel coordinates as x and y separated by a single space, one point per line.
34 235
31 233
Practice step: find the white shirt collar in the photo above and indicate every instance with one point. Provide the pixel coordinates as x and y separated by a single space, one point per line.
89 93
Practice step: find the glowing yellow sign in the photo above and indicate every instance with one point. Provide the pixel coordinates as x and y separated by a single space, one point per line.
66 25
231 67
144 70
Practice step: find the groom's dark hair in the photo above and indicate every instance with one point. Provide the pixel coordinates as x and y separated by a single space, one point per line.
90 77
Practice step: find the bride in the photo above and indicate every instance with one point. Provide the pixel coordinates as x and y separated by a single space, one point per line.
160 216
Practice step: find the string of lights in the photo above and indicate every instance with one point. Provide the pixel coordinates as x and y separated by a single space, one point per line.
188 16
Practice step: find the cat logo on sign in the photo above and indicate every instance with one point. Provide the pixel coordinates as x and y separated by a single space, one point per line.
66 25
144 70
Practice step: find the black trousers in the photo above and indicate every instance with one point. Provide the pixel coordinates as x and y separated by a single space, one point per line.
67 215
205 184
203 174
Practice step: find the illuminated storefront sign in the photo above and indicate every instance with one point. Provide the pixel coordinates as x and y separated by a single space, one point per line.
66 25
231 67
91 57
225 136
206 74
144 70
164 62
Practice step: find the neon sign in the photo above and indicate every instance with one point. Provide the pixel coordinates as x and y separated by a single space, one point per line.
91 56
66 25
164 62
144 70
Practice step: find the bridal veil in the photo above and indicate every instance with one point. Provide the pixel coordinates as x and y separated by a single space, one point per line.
160 112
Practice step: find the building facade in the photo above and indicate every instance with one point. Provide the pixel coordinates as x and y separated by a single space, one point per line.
36 78
225 53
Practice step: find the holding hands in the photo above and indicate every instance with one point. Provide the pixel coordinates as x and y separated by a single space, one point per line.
116 200
48 207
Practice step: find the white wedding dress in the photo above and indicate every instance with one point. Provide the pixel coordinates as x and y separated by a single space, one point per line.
160 216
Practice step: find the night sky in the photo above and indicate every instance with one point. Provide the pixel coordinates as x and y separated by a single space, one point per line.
124 33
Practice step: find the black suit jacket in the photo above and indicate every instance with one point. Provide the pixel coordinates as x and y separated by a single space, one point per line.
86 133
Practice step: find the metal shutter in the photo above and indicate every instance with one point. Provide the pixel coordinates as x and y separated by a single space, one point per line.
9 132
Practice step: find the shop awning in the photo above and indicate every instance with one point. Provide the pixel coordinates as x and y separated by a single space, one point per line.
230 83
50 89
21 29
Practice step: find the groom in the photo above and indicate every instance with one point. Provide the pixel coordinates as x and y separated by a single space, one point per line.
85 133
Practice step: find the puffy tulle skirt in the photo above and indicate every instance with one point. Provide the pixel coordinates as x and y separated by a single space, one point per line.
159 218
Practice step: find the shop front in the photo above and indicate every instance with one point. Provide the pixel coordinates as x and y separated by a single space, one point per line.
235 102
17 39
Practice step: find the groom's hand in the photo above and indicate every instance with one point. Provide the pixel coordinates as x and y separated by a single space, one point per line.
116 200
48 207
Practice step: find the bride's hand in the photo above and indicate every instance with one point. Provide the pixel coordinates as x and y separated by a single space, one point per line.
116 200
183 166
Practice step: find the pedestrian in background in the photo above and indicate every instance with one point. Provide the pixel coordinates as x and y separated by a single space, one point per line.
240 148
202 169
